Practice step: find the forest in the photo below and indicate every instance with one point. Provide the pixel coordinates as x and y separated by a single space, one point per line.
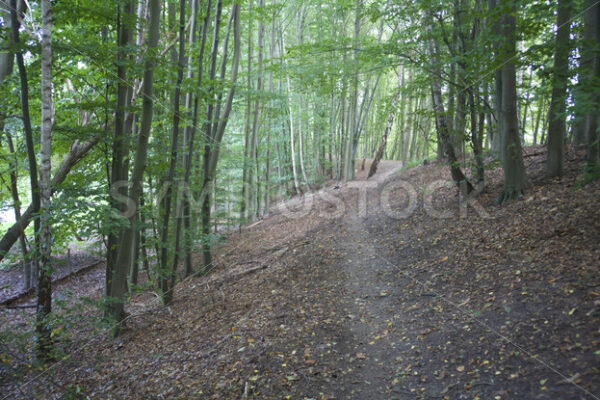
194 165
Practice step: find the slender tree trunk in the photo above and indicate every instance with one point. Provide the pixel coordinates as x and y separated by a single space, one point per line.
289 107
408 126
14 190
186 207
400 134
271 90
44 290
247 170
515 178
581 93
556 129
183 191
119 282
444 133
135 266
388 129
592 22
6 69
353 111
206 247
120 150
496 134
476 140
165 273
217 130
33 174
415 126
257 109
7 56
537 120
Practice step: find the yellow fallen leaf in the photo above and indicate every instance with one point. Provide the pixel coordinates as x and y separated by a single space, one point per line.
460 368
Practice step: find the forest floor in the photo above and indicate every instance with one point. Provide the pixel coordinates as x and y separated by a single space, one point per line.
391 288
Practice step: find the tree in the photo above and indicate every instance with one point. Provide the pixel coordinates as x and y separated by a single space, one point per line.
168 276
44 289
120 150
123 260
216 123
31 158
556 129
592 77
384 138
515 179
458 176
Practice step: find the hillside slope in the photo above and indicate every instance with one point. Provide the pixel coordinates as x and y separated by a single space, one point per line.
383 289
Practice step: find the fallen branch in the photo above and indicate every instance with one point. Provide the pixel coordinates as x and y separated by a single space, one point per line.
20 306
17 296
250 270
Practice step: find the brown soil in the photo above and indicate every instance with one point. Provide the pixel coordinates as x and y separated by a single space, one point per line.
346 302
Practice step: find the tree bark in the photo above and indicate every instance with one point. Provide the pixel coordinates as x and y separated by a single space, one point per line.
168 276
388 129
289 107
442 119
246 169
119 282
211 156
515 178
33 174
592 27
556 129
186 207
44 289
120 149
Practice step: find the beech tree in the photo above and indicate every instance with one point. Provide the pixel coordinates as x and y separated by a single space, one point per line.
556 129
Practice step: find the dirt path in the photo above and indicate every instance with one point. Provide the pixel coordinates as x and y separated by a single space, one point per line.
368 351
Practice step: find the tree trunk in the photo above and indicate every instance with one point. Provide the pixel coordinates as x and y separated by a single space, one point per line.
442 119
592 22
409 123
6 69
166 275
388 129
7 56
257 110
33 175
556 129
186 205
537 119
205 211
289 107
515 179
247 169
217 130
119 282
14 190
496 134
44 289
120 150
